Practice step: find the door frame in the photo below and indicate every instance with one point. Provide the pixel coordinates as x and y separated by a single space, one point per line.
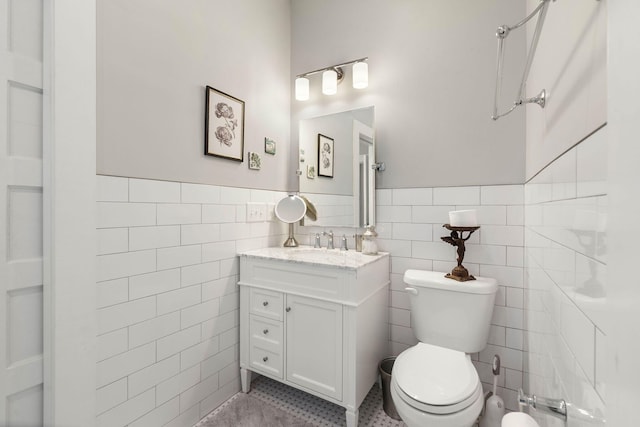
69 240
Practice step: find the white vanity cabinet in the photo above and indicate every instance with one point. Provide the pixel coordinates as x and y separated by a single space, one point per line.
315 323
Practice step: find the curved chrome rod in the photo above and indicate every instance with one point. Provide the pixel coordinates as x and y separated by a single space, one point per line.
525 20
500 60
534 44
501 33
496 94
556 407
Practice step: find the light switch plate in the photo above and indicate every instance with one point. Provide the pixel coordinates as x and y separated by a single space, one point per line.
256 212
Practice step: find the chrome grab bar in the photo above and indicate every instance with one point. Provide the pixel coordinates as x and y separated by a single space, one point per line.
555 407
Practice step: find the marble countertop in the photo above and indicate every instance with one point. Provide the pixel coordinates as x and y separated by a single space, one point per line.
316 256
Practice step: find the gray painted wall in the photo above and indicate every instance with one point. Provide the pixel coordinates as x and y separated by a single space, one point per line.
155 58
432 66
431 79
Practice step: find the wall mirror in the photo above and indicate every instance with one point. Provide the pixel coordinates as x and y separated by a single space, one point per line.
336 154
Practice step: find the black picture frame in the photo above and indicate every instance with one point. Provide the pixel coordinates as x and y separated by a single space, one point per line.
224 125
325 156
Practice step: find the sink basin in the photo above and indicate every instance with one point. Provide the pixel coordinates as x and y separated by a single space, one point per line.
318 256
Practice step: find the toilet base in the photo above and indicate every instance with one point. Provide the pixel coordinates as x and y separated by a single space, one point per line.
413 417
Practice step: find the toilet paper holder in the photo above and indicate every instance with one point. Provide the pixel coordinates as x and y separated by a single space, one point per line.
555 407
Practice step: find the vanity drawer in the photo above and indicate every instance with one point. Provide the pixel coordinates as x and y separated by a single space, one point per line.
265 333
263 359
266 303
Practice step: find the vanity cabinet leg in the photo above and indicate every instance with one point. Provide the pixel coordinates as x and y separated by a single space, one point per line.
245 380
352 417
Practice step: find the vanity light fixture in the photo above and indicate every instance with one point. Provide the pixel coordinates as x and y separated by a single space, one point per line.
330 82
360 75
331 76
302 89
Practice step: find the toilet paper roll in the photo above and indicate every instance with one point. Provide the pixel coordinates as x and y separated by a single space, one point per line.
466 218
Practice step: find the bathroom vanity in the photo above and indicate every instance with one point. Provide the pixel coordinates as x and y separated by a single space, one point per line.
314 319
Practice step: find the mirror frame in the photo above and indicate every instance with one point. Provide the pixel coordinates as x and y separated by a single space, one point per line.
359 132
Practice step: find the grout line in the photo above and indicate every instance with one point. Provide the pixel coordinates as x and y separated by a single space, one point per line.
566 151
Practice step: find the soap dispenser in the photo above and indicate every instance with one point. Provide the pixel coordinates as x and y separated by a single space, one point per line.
369 245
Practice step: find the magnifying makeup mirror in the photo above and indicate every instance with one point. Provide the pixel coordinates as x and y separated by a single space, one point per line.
290 210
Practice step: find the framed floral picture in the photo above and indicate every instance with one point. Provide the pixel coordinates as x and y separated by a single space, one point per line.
325 156
254 160
311 171
224 125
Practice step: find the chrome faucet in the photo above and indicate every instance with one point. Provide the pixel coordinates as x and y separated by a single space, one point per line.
329 238
317 241
343 245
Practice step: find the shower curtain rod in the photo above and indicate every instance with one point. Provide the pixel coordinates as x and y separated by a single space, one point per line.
501 33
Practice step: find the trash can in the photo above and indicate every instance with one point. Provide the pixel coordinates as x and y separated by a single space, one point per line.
385 367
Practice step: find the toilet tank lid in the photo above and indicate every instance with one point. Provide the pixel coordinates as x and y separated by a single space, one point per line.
436 280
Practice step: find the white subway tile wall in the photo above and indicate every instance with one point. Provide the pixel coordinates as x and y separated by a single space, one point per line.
167 299
565 281
409 225
168 303
486 256
331 209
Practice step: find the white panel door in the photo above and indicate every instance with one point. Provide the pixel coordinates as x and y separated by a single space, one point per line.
314 345
21 213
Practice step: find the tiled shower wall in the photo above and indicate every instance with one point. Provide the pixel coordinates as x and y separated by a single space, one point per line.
565 281
167 297
409 225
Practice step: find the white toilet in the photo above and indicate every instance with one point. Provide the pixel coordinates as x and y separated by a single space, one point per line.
434 382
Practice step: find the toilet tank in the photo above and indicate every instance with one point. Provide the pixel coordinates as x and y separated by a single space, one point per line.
448 313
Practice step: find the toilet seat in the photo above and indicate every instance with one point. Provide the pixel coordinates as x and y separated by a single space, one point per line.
436 380
436 409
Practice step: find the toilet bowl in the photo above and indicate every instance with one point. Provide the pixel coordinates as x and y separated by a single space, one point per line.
434 383
436 386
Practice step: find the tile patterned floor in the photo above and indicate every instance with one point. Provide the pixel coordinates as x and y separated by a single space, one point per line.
317 411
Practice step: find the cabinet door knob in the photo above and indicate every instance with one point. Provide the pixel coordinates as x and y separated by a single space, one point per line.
264 359
266 331
288 309
265 303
